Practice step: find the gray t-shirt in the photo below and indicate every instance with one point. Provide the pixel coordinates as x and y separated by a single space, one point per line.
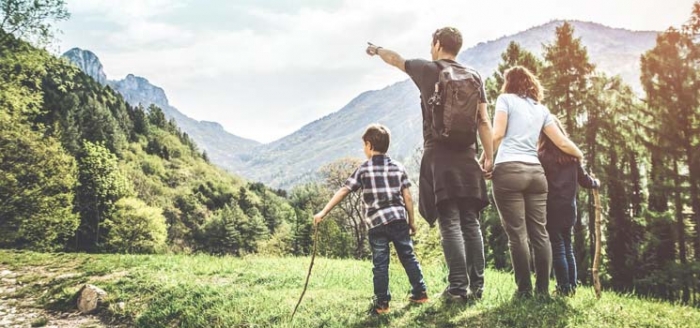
526 119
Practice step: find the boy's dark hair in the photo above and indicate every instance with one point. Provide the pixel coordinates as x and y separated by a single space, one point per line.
450 39
378 136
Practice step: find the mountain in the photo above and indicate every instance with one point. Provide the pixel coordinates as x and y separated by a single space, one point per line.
88 63
295 158
613 50
222 147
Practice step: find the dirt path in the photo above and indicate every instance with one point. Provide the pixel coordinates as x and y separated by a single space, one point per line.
24 312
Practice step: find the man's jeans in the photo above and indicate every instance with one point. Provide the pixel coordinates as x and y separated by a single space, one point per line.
462 245
396 232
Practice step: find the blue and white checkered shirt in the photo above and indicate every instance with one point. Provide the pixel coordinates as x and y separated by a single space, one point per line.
382 181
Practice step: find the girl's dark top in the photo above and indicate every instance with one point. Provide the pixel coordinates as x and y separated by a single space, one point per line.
563 181
446 172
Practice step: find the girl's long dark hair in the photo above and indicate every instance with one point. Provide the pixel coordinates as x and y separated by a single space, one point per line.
549 153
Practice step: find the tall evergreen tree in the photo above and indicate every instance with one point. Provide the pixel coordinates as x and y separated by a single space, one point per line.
101 185
566 77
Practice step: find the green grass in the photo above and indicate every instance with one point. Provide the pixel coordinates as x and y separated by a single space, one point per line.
206 291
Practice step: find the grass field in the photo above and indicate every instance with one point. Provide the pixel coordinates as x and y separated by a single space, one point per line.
206 291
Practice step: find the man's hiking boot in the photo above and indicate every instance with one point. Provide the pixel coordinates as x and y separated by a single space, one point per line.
457 298
379 307
522 295
561 292
421 298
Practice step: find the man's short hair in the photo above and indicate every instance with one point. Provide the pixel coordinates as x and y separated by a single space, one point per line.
450 39
378 136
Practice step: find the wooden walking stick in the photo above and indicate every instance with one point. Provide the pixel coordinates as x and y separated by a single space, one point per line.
308 275
596 257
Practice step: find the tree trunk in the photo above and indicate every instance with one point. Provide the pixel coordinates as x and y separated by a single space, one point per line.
695 198
681 231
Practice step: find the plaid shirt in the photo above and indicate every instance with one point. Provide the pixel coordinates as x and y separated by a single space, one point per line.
382 181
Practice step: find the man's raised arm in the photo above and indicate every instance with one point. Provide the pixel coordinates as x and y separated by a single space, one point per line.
388 56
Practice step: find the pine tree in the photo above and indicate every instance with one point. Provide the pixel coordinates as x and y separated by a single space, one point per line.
566 77
101 185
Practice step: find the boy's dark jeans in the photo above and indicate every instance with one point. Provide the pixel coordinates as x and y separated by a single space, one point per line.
396 232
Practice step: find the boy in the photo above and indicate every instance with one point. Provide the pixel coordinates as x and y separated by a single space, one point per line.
388 213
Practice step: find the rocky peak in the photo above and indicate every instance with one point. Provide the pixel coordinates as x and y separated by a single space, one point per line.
88 62
138 90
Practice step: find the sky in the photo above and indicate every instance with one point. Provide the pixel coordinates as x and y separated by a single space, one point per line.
265 68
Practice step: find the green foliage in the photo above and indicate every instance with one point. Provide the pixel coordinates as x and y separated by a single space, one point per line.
31 19
280 243
232 231
36 182
566 76
101 185
21 72
514 55
135 227
305 199
349 214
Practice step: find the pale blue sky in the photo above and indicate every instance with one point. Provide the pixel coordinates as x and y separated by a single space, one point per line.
264 68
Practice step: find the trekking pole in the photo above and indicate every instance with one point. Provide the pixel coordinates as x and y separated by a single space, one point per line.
596 257
308 275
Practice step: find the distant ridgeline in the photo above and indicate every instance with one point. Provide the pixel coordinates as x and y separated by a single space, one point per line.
82 170
222 148
296 158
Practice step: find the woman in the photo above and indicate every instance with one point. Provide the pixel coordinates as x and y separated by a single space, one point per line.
519 183
564 174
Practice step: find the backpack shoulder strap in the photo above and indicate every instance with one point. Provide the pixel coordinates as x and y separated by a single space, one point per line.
441 65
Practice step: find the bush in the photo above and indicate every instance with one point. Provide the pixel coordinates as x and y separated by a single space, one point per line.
135 227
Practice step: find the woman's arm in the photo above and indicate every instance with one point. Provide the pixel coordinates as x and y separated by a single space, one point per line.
486 137
500 123
560 140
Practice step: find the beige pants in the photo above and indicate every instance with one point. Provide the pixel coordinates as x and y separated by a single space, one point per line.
520 191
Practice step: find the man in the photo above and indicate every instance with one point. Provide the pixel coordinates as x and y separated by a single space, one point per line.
452 189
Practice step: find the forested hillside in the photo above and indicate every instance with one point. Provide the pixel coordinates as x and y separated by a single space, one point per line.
81 169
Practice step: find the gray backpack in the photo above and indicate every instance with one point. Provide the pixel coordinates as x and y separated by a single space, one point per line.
454 105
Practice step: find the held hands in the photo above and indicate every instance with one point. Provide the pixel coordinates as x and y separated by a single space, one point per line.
486 167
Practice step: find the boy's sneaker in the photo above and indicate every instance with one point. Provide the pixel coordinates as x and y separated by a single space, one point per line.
421 298
379 307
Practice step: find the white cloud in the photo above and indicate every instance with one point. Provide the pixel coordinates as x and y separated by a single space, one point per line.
124 10
310 61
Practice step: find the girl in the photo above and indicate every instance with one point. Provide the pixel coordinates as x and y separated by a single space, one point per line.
564 173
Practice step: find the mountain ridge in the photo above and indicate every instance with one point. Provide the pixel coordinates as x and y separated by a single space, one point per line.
295 158
221 146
